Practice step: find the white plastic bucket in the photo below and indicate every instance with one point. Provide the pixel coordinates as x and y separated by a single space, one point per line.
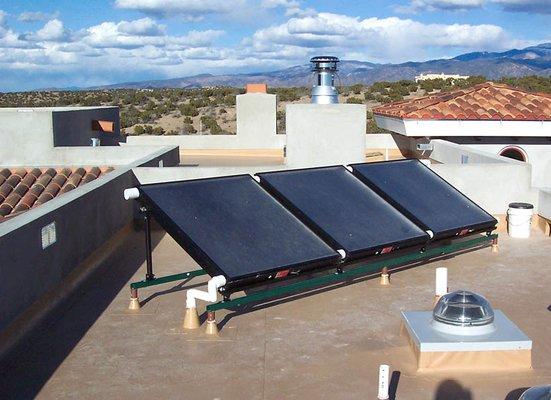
519 217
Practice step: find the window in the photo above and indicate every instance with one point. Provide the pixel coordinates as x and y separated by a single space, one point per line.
514 152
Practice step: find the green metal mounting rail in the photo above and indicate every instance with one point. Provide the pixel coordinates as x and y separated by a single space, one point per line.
351 273
166 279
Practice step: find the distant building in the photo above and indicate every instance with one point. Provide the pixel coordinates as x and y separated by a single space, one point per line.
424 77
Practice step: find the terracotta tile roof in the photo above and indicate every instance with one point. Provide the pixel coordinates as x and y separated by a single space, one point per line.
24 188
487 101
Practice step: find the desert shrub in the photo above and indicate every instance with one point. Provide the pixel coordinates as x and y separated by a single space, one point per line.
189 110
158 130
357 88
211 125
139 130
189 128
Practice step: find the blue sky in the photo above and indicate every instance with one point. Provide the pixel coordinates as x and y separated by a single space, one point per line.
83 43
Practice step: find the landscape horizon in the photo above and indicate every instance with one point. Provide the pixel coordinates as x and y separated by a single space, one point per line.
532 60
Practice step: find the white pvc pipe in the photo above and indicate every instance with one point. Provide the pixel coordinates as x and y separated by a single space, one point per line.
383 382
441 281
132 193
211 295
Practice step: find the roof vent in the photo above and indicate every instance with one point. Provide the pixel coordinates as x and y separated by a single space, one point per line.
324 69
463 313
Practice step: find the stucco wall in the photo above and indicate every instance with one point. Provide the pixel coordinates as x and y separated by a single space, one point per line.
26 133
74 127
492 186
539 156
109 155
256 129
256 118
325 134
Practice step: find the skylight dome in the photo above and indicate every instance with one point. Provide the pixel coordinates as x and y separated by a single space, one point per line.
463 308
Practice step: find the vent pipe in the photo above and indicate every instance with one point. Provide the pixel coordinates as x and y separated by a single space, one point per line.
324 69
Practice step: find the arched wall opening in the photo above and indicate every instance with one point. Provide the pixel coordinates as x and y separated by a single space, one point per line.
514 152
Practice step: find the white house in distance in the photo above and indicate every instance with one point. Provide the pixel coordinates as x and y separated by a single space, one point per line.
490 117
444 76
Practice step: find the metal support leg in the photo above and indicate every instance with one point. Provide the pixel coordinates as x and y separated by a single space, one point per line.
149 274
385 281
134 300
212 328
495 247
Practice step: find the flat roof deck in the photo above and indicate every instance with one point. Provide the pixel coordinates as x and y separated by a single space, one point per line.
325 346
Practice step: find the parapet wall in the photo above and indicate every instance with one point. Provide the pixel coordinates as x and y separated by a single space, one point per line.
82 219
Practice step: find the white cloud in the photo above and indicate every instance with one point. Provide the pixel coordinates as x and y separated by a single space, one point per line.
380 39
143 32
189 9
141 27
52 31
34 16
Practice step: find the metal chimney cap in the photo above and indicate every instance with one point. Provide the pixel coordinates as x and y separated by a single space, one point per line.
324 63
324 59
537 393
463 308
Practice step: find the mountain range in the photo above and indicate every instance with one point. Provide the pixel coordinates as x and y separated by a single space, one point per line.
534 60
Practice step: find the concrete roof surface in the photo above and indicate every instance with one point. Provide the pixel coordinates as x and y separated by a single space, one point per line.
324 346
487 101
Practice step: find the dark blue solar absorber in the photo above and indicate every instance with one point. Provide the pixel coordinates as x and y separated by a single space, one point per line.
232 226
424 197
343 211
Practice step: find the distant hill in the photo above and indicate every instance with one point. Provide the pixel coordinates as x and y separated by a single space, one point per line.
535 60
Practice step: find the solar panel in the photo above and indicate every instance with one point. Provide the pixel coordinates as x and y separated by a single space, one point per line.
232 226
342 210
424 197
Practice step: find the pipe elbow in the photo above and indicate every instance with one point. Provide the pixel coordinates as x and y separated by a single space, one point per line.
131 193
211 295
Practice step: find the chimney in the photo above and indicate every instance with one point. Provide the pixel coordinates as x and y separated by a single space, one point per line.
324 69
256 88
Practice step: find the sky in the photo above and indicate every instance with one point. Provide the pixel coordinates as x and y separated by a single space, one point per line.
71 43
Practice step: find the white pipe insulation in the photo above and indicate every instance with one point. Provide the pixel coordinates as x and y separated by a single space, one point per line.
441 287
211 295
132 193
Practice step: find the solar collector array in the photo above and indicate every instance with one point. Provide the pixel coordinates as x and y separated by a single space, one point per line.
297 220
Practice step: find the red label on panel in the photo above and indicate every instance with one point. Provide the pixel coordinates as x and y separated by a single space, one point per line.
282 274
387 250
